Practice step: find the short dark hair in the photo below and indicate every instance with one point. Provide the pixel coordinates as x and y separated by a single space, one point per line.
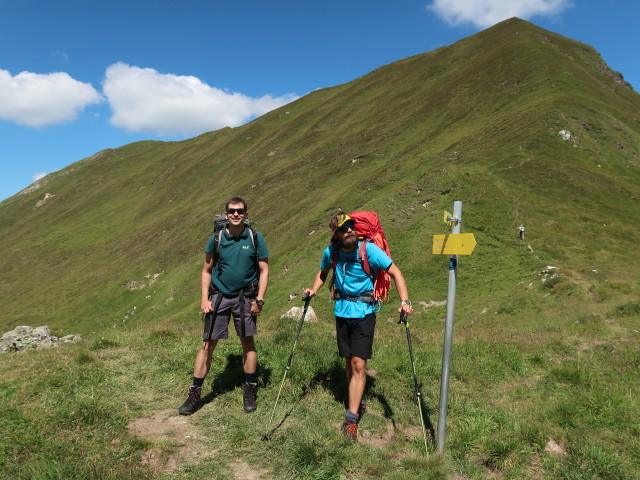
237 200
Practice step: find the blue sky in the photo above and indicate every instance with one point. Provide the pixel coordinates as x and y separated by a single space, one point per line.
79 76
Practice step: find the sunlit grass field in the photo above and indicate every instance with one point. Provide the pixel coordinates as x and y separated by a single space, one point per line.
522 381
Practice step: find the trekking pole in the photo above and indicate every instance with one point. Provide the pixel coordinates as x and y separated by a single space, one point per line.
404 318
307 298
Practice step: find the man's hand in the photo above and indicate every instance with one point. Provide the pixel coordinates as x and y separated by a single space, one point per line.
406 307
205 306
255 308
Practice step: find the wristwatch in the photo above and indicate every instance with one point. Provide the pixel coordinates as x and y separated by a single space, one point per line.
260 303
406 302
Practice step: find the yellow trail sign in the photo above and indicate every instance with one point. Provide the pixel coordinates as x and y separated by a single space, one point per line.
453 244
448 219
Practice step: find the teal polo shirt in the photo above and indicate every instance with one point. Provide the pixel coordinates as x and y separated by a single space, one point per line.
237 265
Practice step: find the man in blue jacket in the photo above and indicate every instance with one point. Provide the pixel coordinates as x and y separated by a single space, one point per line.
354 308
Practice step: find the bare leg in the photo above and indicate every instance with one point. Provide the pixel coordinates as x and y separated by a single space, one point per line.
203 359
249 355
357 380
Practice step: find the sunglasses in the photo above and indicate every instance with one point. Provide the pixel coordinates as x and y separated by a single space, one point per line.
345 228
239 211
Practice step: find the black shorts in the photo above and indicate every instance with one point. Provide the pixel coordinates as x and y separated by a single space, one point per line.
355 336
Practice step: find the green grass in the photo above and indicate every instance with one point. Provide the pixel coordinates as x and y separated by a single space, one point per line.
537 356
510 394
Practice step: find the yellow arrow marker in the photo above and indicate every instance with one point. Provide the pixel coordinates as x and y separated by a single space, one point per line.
446 215
454 244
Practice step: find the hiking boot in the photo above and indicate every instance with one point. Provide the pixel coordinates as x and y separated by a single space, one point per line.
249 396
350 431
192 402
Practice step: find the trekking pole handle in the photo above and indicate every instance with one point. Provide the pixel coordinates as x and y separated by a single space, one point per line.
306 297
403 316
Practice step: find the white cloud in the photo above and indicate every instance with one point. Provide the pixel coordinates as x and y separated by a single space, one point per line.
144 100
485 13
38 100
38 176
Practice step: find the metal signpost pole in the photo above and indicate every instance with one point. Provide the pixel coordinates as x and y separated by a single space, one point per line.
456 219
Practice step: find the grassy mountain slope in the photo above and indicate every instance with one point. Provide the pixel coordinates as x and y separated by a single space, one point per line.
478 121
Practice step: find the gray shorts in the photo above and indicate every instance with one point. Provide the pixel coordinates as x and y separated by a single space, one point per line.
228 307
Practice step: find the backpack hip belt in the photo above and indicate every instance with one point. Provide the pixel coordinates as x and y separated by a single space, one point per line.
251 291
366 297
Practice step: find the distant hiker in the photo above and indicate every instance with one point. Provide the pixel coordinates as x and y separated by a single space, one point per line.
234 280
355 308
521 232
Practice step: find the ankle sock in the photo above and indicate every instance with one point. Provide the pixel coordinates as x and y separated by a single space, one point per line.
250 378
351 417
197 382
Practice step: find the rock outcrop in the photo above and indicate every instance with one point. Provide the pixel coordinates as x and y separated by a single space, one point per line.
296 313
24 338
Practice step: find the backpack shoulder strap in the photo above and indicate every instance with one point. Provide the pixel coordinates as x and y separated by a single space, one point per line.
216 246
253 235
334 263
334 256
362 254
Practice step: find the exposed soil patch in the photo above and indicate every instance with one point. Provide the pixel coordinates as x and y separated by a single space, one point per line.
582 348
375 440
432 303
176 441
554 448
534 469
242 471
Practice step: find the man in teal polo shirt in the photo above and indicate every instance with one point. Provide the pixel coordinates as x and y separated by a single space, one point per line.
236 271
354 309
